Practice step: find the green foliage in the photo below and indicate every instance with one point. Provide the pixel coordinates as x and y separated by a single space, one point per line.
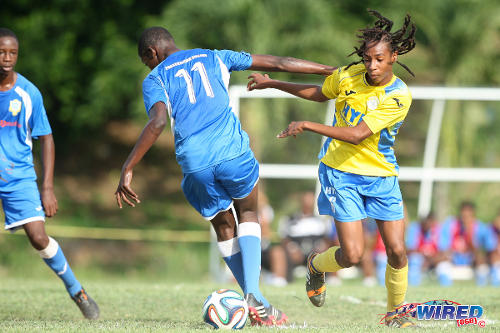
83 57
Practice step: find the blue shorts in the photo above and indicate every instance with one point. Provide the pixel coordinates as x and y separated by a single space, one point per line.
350 197
213 189
22 206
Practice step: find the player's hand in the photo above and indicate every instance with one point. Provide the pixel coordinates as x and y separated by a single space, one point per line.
49 201
124 191
295 127
258 81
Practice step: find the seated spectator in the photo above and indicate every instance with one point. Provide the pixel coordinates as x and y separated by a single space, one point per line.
273 258
422 247
494 255
302 233
465 241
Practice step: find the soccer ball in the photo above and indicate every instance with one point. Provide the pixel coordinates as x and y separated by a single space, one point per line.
225 309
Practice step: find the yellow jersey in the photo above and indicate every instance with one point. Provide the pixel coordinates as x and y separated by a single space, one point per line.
382 108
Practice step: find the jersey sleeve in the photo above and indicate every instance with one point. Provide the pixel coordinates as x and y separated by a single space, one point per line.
391 111
330 87
153 91
235 61
38 122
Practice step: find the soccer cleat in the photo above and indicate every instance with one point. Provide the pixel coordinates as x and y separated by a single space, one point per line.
277 316
399 321
261 316
315 283
86 304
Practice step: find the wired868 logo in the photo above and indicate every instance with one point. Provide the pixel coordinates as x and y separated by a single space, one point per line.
442 310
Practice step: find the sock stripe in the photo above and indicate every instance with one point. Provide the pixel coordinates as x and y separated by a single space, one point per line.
312 268
249 229
51 250
228 247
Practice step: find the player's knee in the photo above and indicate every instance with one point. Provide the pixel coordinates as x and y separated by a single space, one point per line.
353 257
39 241
396 254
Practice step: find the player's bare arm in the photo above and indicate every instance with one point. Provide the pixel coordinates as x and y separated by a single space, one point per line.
150 133
354 135
261 62
48 197
310 92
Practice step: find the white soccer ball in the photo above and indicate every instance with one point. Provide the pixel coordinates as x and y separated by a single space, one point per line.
225 309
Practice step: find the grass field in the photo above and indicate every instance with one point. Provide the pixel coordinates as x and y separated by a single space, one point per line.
33 305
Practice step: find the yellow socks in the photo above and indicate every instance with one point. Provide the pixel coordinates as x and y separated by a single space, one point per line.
326 262
396 282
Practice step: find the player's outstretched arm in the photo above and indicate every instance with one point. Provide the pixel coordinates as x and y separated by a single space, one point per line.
150 133
48 197
354 135
269 63
311 92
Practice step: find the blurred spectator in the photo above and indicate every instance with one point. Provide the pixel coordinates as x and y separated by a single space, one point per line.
273 256
302 233
422 247
465 241
495 253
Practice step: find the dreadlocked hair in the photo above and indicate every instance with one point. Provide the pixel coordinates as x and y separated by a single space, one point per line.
401 41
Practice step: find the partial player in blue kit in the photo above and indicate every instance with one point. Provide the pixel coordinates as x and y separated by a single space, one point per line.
220 170
23 118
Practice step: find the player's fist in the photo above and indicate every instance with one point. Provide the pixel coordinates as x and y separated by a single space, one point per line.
295 127
258 81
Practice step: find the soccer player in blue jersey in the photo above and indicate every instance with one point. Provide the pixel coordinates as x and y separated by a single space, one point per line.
220 170
23 118
358 169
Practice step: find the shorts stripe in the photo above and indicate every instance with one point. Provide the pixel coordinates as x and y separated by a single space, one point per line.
17 224
209 218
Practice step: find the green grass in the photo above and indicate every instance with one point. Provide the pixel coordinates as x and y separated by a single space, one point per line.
128 305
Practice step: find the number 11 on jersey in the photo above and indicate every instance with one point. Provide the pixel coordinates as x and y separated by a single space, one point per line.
197 67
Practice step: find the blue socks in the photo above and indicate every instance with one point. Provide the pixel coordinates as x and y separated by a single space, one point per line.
230 251
54 258
249 242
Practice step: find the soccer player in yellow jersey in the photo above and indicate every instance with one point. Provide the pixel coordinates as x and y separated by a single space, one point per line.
358 170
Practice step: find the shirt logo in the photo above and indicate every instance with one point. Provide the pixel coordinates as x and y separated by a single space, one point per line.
350 92
398 102
372 103
15 107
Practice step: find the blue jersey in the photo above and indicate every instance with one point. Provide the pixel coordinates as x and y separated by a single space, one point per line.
454 237
193 84
22 117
